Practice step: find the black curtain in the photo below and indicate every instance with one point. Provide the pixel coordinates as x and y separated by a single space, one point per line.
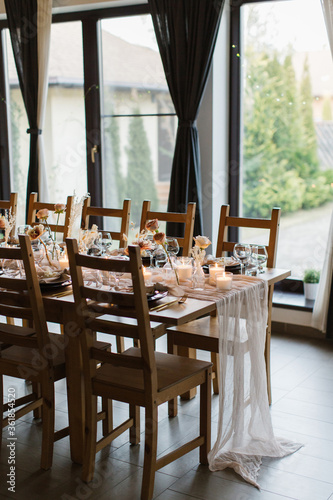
22 21
186 32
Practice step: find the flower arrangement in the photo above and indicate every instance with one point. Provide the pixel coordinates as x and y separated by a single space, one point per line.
159 237
199 250
43 215
35 233
7 222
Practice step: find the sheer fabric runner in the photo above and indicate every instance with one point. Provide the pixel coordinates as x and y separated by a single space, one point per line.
245 431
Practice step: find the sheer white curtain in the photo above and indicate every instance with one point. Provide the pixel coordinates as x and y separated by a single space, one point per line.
320 310
44 19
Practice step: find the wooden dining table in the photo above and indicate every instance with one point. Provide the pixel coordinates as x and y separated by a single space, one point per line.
61 310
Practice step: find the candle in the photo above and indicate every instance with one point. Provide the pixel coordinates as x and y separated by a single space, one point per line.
147 274
214 271
63 262
184 271
224 281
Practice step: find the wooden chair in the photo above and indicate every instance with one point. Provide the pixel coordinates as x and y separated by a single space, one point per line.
120 213
204 333
29 353
11 204
186 218
35 205
138 376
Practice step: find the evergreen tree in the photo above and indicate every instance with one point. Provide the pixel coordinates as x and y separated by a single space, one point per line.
140 183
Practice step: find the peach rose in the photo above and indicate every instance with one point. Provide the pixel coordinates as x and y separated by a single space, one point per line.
144 244
152 225
36 232
59 208
42 214
202 241
2 222
159 238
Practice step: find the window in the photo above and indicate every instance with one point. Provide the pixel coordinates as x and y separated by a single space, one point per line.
287 106
138 117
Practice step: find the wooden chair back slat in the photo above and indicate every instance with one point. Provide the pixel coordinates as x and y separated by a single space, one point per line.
106 297
116 213
135 363
119 266
187 218
272 224
13 283
10 205
35 205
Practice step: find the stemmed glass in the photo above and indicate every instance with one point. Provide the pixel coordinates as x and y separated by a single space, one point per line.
262 258
172 247
242 253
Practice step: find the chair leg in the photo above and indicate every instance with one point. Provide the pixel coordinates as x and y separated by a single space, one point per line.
205 417
47 389
91 436
149 465
134 412
1 406
37 413
173 403
120 342
188 352
107 423
216 369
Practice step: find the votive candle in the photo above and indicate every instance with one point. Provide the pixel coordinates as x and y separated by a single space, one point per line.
224 281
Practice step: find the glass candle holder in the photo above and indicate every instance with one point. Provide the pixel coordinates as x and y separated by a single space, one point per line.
214 270
224 281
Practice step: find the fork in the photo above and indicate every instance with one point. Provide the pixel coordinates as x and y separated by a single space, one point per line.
180 300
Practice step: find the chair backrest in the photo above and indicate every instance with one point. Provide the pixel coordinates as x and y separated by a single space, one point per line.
120 213
91 303
272 224
187 219
11 205
21 297
35 205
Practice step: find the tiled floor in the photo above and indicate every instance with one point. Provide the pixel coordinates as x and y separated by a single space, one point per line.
302 411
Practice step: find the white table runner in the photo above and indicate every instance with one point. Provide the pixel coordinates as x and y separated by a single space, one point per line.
245 431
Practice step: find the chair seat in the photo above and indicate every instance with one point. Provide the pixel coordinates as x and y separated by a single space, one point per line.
28 360
16 330
202 333
171 371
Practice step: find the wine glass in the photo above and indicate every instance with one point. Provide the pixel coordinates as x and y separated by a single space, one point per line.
242 253
105 241
160 257
262 257
172 247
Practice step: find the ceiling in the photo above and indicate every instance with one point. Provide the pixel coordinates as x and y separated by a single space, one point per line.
59 6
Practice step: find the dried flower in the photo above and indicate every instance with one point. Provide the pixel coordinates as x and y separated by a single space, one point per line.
59 208
152 225
202 241
143 243
36 232
42 214
159 238
3 222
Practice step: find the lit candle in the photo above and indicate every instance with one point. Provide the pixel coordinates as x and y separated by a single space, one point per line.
224 281
184 271
214 271
63 262
147 274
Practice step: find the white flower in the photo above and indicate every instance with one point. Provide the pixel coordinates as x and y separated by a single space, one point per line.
202 241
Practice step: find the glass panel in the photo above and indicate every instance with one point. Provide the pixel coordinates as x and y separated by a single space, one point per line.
287 126
138 119
64 129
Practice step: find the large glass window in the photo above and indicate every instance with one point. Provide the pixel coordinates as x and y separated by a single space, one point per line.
64 129
138 117
287 126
